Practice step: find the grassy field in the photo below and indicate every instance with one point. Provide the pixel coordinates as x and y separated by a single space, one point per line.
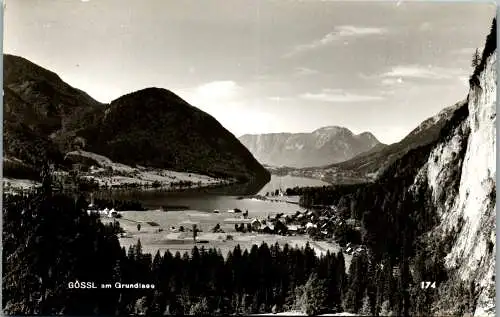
153 240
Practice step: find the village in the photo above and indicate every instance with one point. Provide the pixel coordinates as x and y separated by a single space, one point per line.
321 224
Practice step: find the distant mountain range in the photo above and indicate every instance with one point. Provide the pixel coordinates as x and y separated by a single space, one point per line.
323 146
44 118
369 165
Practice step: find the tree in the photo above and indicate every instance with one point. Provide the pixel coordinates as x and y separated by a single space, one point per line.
476 59
311 297
385 310
141 305
195 232
138 249
199 308
366 309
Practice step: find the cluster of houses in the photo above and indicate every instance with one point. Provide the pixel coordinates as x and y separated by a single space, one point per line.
320 224
110 213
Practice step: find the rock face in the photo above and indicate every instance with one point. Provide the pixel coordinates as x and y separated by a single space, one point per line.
321 147
434 207
44 118
461 175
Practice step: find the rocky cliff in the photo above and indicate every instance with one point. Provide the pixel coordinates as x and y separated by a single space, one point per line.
431 213
461 174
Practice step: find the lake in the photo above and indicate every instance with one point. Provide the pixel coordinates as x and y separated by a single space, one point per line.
221 199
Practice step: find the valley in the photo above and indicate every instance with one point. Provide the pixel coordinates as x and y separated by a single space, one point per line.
365 166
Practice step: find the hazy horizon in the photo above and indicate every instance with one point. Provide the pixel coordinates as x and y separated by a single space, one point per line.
263 66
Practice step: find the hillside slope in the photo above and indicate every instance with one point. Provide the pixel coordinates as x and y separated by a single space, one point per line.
48 102
37 106
44 118
320 147
154 127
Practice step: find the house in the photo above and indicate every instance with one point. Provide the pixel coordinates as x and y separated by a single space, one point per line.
256 225
92 209
112 213
268 228
104 212
293 228
310 225
353 222
280 228
301 229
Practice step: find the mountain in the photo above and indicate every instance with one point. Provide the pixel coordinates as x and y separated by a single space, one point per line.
44 118
461 176
323 146
37 106
154 127
369 165
44 100
430 216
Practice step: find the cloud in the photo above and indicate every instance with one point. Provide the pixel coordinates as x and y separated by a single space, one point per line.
279 98
304 71
425 26
469 51
340 33
392 81
218 90
338 95
421 72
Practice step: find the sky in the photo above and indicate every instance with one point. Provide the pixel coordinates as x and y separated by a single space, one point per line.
263 66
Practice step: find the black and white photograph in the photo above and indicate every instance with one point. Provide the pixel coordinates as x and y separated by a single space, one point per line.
249 157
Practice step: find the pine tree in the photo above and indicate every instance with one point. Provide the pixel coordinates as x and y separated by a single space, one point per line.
476 59
311 297
195 232
385 310
366 308
138 249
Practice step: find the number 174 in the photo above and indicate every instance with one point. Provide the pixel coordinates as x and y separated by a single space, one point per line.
427 284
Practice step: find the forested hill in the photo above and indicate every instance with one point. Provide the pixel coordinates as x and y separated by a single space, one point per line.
166 132
431 214
44 117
